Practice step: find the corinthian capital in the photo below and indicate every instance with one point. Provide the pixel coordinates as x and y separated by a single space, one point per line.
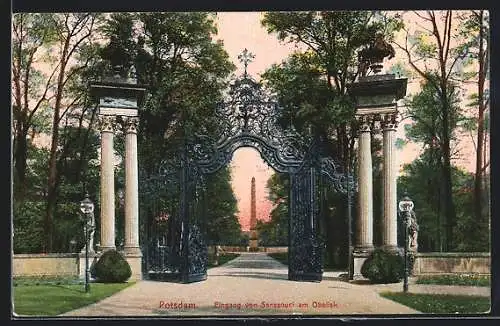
130 124
390 121
364 123
107 123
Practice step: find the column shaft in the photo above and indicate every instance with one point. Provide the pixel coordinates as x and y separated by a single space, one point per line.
107 185
131 187
390 222
364 230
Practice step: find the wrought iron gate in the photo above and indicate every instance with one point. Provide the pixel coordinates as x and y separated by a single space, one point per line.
176 248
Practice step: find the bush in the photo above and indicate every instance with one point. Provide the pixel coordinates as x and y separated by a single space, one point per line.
28 226
112 268
383 266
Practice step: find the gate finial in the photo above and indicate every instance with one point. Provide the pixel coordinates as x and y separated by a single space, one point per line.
245 57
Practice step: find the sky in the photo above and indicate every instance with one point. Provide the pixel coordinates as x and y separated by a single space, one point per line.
240 30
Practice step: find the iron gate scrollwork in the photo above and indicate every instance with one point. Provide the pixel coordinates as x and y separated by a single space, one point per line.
172 207
248 118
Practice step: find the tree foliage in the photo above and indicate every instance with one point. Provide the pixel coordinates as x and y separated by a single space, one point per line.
173 53
321 72
185 70
275 231
421 179
436 53
51 53
222 222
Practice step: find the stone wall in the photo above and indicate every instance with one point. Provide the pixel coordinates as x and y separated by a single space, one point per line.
433 263
73 264
247 249
45 265
64 265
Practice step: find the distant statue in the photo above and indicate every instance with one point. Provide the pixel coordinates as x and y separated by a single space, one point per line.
373 55
119 54
91 230
90 225
413 232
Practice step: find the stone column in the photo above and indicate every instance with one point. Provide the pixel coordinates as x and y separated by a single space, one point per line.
389 194
107 124
364 230
131 186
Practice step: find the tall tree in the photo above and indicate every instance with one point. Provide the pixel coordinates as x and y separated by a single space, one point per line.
46 63
427 129
72 31
333 39
32 36
475 28
432 53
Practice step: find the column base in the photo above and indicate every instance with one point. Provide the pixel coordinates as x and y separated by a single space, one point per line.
359 255
133 256
363 249
132 250
391 248
104 249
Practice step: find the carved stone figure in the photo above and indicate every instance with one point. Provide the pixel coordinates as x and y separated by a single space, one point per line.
373 55
91 230
413 232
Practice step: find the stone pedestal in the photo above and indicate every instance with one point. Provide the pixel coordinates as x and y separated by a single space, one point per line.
359 257
135 262
254 243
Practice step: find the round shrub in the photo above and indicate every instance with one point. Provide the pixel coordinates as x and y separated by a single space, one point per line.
112 268
383 266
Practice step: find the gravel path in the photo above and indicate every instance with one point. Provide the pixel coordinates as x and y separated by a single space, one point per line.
252 284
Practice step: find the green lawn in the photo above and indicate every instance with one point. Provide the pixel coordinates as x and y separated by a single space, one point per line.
54 299
223 258
464 279
441 303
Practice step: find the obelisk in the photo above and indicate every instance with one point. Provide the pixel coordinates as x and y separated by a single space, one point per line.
253 217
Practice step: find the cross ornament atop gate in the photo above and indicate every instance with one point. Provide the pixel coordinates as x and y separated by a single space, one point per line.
245 57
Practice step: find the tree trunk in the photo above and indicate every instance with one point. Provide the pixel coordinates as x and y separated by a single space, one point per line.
20 155
52 179
449 207
478 179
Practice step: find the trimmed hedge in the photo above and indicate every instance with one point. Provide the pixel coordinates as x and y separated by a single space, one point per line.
111 268
383 266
